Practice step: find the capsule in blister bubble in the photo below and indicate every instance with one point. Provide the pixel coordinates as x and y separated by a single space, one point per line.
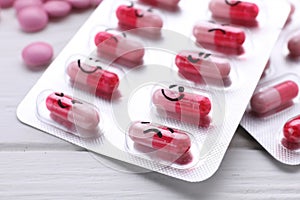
92 77
138 18
294 45
203 64
72 110
274 97
219 35
234 10
117 47
291 130
160 137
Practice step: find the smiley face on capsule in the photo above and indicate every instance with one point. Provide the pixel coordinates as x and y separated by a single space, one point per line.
203 64
138 18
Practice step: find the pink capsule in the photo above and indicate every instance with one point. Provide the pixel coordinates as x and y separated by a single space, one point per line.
274 97
168 140
119 47
169 3
183 106
93 78
81 114
294 45
203 64
218 35
138 18
291 130
234 10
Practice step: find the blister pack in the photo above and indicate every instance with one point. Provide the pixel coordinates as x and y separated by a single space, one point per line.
159 84
272 116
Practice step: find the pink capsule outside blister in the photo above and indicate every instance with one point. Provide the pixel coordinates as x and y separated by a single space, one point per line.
183 106
138 18
203 64
119 47
234 10
218 35
169 3
72 110
294 45
159 137
274 97
92 77
291 130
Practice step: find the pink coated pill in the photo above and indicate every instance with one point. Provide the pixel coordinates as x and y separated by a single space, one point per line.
156 136
56 8
294 45
6 3
92 77
274 97
79 4
218 35
73 110
234 10
203 64
291 130
169 3
181 103
32 18
20 4
138 18
117 46
37 54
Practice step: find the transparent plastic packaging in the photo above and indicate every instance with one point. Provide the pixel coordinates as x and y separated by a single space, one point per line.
272 116
167 102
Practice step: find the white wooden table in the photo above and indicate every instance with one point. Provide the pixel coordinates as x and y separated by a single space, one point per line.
35 165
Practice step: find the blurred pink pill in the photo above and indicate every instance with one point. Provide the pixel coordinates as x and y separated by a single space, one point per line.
37 54
32 19
6 3
95 2
294 45
57 8
20 4
80 4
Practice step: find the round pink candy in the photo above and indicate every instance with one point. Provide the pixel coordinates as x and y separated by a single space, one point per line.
57 8
80 4
37 54
6 3
20 4
32 19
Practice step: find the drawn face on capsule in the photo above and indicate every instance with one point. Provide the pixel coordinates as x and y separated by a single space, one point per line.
160 137
137 18
203 64
117 47
219 35
174 98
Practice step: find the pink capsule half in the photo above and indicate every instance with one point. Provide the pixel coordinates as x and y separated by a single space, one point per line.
218 35
138 18
291 130
294 45
156 136
92 77
203 64
183 106
274 97
75 111
169 3
234 10
119 47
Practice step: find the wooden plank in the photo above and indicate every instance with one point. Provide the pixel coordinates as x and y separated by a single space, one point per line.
77 175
